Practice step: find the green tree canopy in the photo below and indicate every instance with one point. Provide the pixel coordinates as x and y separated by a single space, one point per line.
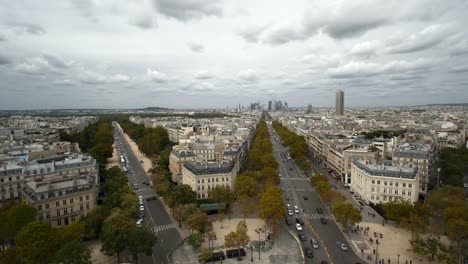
73 252
182 194
114 233
18 216
140 240
37 242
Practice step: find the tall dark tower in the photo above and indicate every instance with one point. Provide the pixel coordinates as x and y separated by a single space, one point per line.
339 104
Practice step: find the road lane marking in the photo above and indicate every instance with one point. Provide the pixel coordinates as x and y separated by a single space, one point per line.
319 239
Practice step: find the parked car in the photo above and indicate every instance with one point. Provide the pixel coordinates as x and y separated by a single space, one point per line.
290 212
142 208
323 220
288 221
319 210
302 237
139 223
135 186
342 246
314 243
309 252
305 197
288 206
298 227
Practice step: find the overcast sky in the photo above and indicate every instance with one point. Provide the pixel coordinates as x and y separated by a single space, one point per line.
215 53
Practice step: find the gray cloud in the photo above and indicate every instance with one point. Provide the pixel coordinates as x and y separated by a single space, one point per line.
353 26
57 61
459 69
195 47
33 66
186 10
427 38
28 28
143 21
4 60
364 49
459 48
3 38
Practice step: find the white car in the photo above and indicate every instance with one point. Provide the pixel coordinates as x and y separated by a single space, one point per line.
290 212
142 208
139 223
141 202
140 197
296 207
298 227
296 211
288 206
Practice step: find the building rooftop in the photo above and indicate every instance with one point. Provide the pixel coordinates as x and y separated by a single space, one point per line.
387 171
411 151
39 190
198 168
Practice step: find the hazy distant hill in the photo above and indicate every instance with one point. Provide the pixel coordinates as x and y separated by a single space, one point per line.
155 109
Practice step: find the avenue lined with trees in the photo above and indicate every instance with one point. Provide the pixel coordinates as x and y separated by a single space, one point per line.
297 145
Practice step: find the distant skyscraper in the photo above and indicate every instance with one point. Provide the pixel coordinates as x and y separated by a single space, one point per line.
269 105
309 109
339 104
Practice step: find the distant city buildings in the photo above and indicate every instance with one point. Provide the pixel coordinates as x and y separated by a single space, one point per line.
339 102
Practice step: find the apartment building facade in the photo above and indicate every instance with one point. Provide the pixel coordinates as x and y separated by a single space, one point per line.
378 183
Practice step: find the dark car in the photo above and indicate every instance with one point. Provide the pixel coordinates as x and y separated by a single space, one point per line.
299 221
288 221
309 252
302 237
323 262
323 220
319 210
287 198
290 169
306 198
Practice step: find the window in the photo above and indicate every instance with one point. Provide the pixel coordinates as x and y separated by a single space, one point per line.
59 222
390 198
373 181
409 193
372 197
385 198
47 206
217 179
87 197
222 179
40 217
391 183
378 182
57 203
203 180
81 198
373 189
81 207
65 211
58 212
71 210
396 191
198 181
209 179
410 185
64 202
73 219
385 183
71 200
47 215
396 184
39 207
403 192
87 206
404 184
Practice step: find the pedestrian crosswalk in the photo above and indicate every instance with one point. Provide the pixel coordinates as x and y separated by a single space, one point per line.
160 228
298 189
318 216
294 179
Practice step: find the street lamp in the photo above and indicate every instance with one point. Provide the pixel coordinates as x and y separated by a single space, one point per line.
438 176
259 231
398 262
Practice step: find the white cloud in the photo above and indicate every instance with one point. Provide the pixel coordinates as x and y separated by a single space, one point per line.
248 75
365 49
459 69
119 78
185 10
156 76
33 66
57 61
204 75
195 47
425 39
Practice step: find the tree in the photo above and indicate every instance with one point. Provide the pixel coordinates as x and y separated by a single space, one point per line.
199 221
130 204
37 242
447 196
271 207
195 240
316 179
245 186
231 240
73 252
71 232
346 214
222 195
205 253
182 194
93 221
114 234
246 204
242 236
398 210
426 246
9 256
140 240
19 216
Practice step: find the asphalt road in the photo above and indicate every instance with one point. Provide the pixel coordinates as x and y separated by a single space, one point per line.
156 217
295 187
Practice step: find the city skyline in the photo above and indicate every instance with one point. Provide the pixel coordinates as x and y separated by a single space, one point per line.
212 54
